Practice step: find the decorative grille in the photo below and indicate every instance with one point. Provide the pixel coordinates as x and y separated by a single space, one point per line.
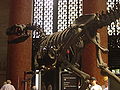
43 14
114 28
114 38
68 10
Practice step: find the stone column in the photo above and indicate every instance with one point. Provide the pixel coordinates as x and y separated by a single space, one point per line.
89 52
19 55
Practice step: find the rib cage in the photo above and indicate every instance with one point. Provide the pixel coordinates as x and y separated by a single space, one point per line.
56 44
58 39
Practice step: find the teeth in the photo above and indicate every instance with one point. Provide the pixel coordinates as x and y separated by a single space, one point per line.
105 19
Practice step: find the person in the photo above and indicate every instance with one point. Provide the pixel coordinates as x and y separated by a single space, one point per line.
105 86
7 86
49 87
34 87
94 85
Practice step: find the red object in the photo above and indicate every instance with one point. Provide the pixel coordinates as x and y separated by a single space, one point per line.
68 51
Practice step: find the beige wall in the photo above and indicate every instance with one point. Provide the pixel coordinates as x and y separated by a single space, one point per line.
4 19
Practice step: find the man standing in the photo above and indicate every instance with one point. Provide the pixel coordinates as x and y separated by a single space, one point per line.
94 85
8 86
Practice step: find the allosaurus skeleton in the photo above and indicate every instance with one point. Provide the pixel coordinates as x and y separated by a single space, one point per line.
81 32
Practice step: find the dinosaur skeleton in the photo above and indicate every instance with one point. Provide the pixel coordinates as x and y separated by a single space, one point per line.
81 32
